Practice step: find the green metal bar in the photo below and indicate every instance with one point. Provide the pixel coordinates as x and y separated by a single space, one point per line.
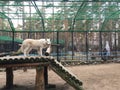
104 23
35 31
39 13
9 20
111 18
68 0
56 13
80 8
56 5
12 27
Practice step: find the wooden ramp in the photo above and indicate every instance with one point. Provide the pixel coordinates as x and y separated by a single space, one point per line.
65 74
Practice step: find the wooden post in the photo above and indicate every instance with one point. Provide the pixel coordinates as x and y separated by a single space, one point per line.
46 75
9 77
39 84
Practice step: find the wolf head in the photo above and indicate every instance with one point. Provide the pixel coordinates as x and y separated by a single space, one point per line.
48 41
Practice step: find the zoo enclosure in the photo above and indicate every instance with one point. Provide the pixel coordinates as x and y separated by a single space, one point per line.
82 27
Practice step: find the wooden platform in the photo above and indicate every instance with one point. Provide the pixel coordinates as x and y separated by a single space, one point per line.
39 63
36 62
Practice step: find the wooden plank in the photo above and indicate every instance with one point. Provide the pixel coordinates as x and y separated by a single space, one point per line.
40 84
25 65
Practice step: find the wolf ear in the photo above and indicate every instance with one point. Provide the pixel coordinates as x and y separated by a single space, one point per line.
47 39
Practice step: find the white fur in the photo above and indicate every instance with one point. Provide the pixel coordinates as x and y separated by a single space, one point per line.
29 44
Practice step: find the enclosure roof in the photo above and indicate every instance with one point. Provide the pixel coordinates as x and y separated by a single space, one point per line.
68 0
72 15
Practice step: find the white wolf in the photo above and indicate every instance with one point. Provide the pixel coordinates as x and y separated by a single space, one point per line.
29 44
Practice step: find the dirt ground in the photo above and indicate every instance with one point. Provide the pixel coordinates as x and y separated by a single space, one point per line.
94 77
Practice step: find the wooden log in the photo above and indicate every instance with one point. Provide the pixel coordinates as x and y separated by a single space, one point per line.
55 44
47 53
4 54
40 84
24 65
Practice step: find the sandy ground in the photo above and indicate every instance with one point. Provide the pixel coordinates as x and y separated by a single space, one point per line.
94 77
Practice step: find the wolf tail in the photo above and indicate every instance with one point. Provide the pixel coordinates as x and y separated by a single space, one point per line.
19 51
21 48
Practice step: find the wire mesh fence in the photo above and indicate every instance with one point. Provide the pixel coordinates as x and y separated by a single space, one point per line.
83 29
